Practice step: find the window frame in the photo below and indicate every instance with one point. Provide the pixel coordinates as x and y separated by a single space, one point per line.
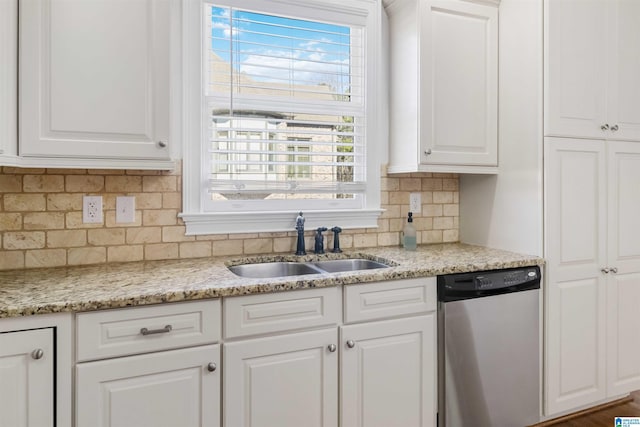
198 221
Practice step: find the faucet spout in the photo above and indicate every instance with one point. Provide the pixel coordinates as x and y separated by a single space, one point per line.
336 239
300 250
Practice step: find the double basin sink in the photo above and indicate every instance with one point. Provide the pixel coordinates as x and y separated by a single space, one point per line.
284 268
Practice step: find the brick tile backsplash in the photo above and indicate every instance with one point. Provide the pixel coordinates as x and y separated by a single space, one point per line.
41 218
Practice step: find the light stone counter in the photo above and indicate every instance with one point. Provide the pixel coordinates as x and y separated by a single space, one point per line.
52 290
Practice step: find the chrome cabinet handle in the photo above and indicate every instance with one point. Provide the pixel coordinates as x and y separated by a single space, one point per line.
145 331
605 126
614 270
332 348
37 353
162 144
614 128
605 270
211 367
351 344
427 151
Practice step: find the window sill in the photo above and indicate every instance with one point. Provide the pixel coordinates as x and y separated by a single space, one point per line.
258 222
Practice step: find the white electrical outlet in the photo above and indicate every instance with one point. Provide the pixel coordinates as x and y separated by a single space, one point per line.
92 209
125 209
415 202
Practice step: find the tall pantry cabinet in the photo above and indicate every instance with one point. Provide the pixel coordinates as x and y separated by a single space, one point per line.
592 202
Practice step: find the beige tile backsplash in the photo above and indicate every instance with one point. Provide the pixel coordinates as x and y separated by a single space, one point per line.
41 219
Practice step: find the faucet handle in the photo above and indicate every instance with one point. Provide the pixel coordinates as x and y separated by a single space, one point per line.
319 245
336 239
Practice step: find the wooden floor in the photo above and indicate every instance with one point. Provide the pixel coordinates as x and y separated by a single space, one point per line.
604 417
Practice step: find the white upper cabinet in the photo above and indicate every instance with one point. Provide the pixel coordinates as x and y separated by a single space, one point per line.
444 86
591 69
623 88
94 82
8 79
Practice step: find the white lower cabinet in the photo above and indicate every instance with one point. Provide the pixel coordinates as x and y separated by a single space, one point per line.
160 366
170 388
593 272
388 373
380 372
27 378
286 381
362 355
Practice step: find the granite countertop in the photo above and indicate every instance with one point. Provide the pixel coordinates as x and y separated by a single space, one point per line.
74 289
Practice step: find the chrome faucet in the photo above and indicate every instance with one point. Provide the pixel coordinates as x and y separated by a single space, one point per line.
300 228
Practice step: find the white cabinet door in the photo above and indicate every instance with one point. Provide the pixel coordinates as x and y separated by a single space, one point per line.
286 381
26 381
575 66
388 373
170 388
94 79
623 288
443 96
8 79
623 86
459 76
576 200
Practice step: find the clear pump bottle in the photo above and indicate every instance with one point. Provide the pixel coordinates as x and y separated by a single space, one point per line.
409 235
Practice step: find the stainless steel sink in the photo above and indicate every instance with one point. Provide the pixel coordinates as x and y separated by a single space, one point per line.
283 269
338 265
274 269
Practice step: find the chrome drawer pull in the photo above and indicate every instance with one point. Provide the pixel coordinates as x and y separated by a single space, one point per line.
145 331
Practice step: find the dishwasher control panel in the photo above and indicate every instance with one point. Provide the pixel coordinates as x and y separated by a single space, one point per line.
505 279
482 283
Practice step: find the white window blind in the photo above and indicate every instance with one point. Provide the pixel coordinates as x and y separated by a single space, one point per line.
284 102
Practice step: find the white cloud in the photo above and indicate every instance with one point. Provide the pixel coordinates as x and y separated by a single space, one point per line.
226 29
276 66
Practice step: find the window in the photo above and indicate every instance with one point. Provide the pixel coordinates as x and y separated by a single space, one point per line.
281 113
299 166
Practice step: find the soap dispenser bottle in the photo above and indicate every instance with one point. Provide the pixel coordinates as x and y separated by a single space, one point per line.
409 235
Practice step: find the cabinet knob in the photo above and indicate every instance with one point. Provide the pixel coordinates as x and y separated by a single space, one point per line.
427 151
605 126
605 270
614 128
614 270
351 344
37 354
211 367
332 348
162 144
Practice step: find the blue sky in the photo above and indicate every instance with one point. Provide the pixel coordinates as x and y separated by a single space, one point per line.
269 50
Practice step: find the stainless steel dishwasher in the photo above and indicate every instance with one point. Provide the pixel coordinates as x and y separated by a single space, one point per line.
489 348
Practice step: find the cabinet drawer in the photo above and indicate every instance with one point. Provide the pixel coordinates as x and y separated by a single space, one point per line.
127 331
389 299
285 311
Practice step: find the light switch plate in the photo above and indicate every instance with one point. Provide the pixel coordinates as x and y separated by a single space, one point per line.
415 202
92 209
125 209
